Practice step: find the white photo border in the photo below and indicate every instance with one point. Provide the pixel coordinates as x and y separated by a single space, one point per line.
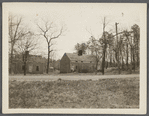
143 70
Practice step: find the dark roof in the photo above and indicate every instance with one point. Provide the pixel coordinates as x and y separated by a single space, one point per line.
84 57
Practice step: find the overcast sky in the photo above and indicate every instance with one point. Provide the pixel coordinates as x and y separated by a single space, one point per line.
78 18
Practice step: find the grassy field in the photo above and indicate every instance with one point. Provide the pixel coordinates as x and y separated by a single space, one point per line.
102 93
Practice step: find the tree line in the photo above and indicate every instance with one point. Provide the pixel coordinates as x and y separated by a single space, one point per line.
119 49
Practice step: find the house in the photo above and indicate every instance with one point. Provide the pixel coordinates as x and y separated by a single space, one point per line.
80 63
35 64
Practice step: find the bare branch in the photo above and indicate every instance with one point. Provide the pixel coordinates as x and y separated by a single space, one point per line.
18 24
57 35
48 34
40 28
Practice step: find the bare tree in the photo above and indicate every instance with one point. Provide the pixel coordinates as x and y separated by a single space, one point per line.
136 40
27 43
50 32
104 43
16 32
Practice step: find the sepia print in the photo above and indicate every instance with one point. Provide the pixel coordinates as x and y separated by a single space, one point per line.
64 57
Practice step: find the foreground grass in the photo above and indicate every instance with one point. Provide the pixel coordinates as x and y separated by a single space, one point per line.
102 93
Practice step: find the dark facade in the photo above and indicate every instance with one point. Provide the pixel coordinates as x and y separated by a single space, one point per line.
34 65
65 64
71 62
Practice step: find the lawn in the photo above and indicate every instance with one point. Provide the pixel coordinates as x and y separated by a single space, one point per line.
102 93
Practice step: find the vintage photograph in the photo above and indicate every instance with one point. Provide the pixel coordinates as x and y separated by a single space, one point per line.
74 55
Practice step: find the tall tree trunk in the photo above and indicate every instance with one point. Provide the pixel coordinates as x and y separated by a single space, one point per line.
134 63
131 62
24 65
96 67
96 63
11 60
111 60
133 56
104 47
103 59
118 46
115 59
138 59
134 52
25 62
119 70
122 63
127 56
138 43
120 58
48 59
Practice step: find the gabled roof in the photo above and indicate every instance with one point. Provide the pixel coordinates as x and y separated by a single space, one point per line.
84 57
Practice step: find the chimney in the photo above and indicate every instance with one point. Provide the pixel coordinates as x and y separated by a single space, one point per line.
25 56
80 53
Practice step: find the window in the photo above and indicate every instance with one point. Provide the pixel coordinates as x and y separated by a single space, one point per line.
82 61
76 67
76 61
37 68
90 61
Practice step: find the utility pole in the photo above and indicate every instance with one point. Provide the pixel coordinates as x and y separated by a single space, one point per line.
117 49
104 48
